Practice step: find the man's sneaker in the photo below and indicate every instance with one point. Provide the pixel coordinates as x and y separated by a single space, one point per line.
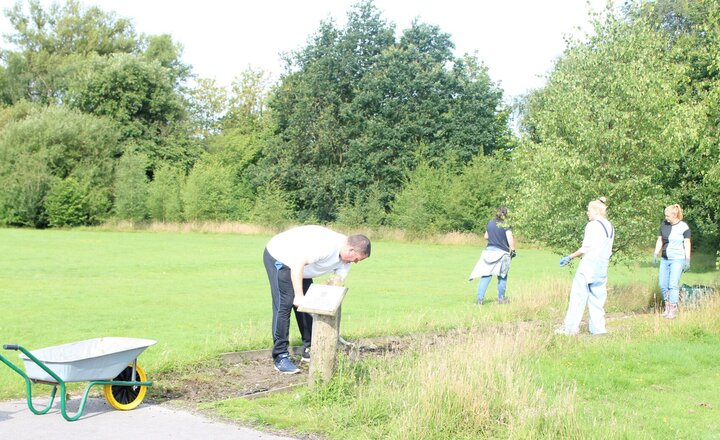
503 301
284 365
306 355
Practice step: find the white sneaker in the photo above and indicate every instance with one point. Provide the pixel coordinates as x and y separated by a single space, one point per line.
563 331
671 311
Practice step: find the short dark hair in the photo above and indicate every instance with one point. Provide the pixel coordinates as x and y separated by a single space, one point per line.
361 243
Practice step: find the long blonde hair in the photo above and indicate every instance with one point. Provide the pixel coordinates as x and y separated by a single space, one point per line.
675 209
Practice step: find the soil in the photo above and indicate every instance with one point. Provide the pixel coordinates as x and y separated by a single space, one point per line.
249 378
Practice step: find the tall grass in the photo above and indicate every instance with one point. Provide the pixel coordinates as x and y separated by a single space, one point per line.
479 383
482 386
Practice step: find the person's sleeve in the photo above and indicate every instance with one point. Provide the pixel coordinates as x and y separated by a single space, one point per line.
589 237
343 270
687 233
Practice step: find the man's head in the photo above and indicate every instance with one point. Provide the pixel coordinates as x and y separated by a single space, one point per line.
356 248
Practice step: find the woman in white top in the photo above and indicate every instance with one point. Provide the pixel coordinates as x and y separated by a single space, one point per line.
674 243
590 283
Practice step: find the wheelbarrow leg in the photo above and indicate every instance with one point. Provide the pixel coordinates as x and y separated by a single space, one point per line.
28 388
63 401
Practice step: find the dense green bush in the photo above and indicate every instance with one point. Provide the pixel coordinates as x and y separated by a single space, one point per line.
48 144
272 207
131 188
23 185
210 193
440 200
165 194
66 204
365 210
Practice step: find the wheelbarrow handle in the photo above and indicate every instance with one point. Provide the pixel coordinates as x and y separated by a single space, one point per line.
11 346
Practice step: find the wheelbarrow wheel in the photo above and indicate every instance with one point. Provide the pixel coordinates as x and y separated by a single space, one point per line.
126 398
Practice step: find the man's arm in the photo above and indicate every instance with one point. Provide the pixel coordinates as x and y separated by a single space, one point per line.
296 276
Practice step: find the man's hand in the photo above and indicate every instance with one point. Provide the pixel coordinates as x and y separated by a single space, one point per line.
334 281
297 300
513 253
686 265
564 261
655 259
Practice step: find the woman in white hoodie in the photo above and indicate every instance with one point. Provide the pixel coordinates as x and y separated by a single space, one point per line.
590 283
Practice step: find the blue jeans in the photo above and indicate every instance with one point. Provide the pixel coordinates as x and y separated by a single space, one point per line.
670 271
485 282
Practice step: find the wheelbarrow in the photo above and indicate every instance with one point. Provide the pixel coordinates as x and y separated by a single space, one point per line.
110 362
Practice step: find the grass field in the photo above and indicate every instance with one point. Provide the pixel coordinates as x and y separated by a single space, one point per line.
203 294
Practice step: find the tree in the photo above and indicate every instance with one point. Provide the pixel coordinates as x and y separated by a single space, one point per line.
357 110
52 45
165 193
209 193
91 60
65 204
50 144
131 187
141 98
615 119
207 104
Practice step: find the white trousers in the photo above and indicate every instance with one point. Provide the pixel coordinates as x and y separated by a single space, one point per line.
594 295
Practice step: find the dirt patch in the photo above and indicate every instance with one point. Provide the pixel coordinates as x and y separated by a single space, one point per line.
217 380
213 381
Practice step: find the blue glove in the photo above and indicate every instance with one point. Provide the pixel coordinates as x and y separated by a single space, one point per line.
686 266
564 261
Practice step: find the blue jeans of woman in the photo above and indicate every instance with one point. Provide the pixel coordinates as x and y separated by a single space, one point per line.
670 271
485 282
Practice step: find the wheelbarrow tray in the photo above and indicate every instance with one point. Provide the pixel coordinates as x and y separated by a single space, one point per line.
82 361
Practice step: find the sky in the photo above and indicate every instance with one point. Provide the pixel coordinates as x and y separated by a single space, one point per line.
517 39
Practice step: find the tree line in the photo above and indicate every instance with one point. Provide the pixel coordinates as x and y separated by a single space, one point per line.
365 126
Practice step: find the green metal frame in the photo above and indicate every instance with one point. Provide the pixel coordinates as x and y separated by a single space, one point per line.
61 383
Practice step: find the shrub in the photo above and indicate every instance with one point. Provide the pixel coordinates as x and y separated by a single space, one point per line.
66 205
272 207
39 146
365 211
131 187
165 194
209 193
420 208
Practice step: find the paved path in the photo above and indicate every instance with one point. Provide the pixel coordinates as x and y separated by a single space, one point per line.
100 421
